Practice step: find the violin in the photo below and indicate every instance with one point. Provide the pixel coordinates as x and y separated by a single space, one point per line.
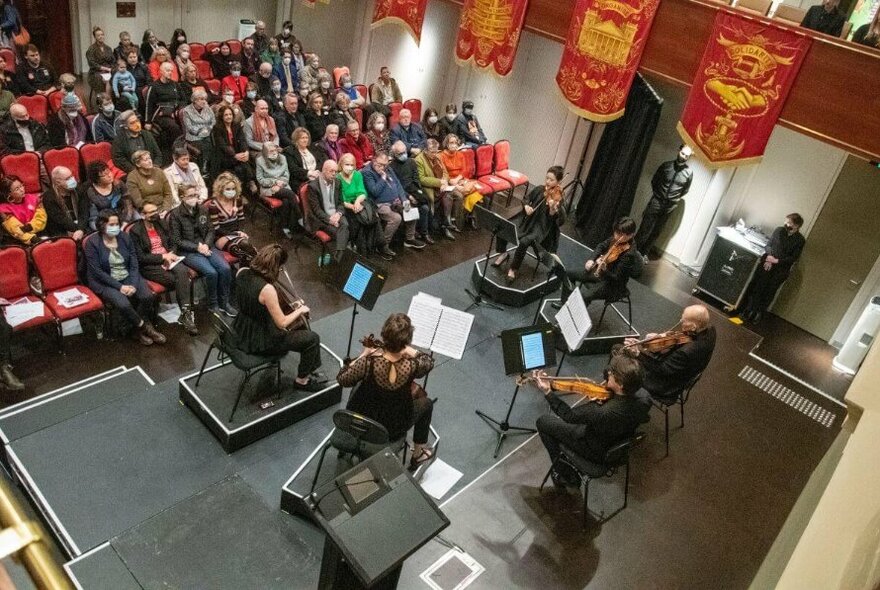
553 198
663 343
617 249
589 389
370 341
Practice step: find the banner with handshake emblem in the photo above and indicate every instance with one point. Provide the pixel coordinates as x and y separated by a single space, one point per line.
742 83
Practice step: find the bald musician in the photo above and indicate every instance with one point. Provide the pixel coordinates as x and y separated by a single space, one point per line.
670 371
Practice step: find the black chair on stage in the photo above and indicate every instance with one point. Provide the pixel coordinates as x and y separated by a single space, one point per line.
251 364
665 401
358 437
622 297
587 470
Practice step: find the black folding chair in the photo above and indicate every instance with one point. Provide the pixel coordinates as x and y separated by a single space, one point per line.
665 401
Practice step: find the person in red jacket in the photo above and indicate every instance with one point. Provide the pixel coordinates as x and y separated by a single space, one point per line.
235 81
356 144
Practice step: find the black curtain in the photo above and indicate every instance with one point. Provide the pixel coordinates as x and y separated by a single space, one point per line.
614 175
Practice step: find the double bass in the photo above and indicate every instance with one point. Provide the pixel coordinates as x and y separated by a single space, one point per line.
589 389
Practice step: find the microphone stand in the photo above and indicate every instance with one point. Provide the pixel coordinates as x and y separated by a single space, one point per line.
478 296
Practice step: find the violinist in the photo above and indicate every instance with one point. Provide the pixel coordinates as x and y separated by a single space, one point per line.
606 273
667 371
262 325
542 216
384 375
590 428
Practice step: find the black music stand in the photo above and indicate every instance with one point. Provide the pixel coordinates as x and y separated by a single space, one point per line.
361 513
362 283
525 349
498 226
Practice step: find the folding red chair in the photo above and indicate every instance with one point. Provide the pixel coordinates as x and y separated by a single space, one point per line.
55 263
204 69
196 51
470 173
234 46
37 107
415 107
337 74
502 167
26 166
394 117
484 160
213 85
15 284
362 90
359 116
92 152
319 236
9 56
67 157
271 206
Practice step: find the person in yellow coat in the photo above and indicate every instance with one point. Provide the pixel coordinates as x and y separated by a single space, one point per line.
22 215
455 163
435 182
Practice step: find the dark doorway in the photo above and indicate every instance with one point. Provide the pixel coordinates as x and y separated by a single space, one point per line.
48 22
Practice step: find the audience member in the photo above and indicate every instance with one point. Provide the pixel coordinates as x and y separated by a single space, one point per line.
101 62
329 144
22 215
190 82
431 125
228 99
869 33
104 192
149 44
378 134
384 91
273 177
286 38
263 80
325 88
221 59
250 58
10 24
227 216
384 188
275 98
7 77
178 38
455 164
6 99
327 207
141 74
433 178
192 236
231 148
356 144
23 134
161 104
67 210
304 91
125 45
286 72
309 73
114 276
182 172
181 58
162 56
303 161
342 111
157 262
447 123
288 119
259 128
316 116
198 121
298 55
467 127
411 134
105 121
148 184
259 37
363 218
346 86
408 173
125 85
272 53
33 77
249 102
69 127
235 82
826 18
130 139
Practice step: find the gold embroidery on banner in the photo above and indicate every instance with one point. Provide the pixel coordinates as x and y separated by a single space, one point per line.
490 20
605 41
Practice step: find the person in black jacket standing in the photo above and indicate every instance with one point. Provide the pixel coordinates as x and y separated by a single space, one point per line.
592 428
152 246
67 210
671 182
825 18
192 236
780 254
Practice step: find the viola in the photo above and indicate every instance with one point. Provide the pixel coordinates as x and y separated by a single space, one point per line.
663 343
591 390
617 249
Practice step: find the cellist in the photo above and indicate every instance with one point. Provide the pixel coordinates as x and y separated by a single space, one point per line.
606 273
542 216
591 429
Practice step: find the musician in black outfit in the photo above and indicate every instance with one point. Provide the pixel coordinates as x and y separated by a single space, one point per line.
542 216
261 325
665 374
591 428
780 254
601 280
670 183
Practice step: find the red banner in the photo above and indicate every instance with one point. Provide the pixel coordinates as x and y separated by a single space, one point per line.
488 33
410 14
742 83
601 55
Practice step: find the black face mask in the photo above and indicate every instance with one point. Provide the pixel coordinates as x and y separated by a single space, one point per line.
69 87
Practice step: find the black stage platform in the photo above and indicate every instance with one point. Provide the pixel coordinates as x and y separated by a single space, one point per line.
533 280
139 471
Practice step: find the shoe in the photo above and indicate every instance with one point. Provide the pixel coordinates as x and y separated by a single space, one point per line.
229 310
508 278
312 386
153 334
320 376
500 260
426 456
215 309
454 228
414 244
472 221
427 239
448 234
141 336
187 319
9 380
386 251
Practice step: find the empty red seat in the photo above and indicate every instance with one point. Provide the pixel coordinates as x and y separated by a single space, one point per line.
211 46
234 46
67 157
15 284
470 172
362 90
26 166
196 51
92 152
484 157
213 85
502 165
394 117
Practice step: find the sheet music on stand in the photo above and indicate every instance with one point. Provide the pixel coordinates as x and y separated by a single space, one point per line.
439 328
574 321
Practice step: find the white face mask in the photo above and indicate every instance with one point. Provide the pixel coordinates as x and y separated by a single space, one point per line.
191 202
276 87
229 98
379 127
236 73
72 114
108 109
286 31
325 85
229 193
348 169
184 55
286 61
347 85
432 120
450 116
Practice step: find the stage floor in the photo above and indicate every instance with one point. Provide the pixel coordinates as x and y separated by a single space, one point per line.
143 484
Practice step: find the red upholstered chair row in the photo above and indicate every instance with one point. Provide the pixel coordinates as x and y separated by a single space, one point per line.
320 237
9 56
27 164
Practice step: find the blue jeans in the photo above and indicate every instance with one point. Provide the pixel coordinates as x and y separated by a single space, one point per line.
218 275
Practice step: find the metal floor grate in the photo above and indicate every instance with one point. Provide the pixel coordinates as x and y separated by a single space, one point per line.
788 396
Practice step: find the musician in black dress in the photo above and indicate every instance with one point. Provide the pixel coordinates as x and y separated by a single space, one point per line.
542 216
780 254
602 278
261 325
386 378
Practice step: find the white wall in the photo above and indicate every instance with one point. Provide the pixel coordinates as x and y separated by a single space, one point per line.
329 29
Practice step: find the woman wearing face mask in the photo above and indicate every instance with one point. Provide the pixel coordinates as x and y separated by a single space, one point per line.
468 128
303 161
101 61
249 102
227 216
160 56
342 112
221 59
298 56
272 53
447 121
228 100
150 43
431 125
377 133
190 82
275 97
231 149
182 60
147 183
114 276
325 89
316 117
131 138
198 121
22 215
106 192
286 72
273 176
454 161
309 74
435 182
363 219
346 86
68 127
286 38
178 38
104 125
